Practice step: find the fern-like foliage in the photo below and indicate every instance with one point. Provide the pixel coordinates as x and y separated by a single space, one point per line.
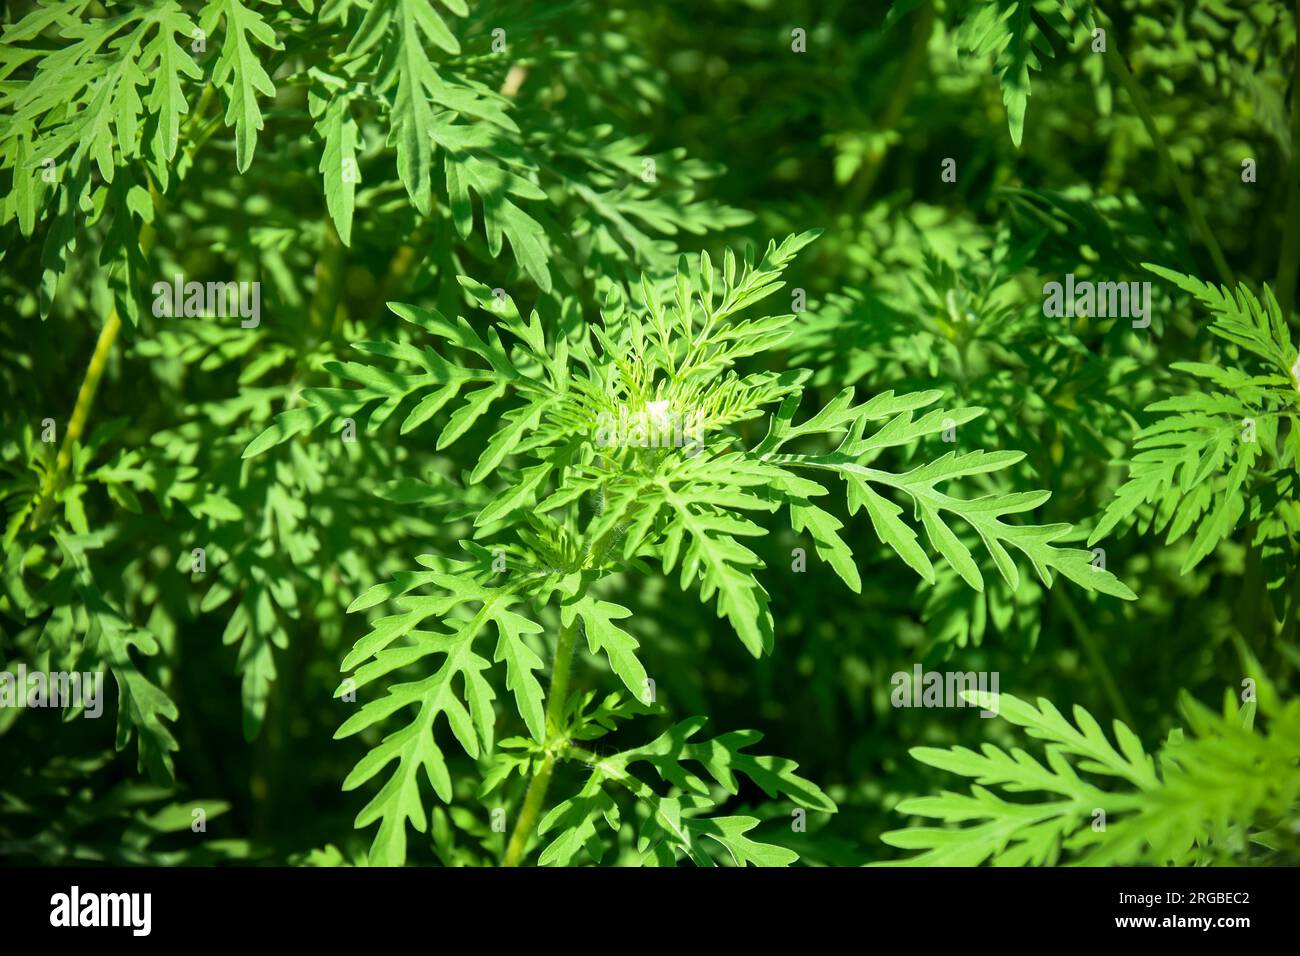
118 93
574 500
555 475
1227 452
83 110
390 61
1017 35
108 107
1211 795
674 825
71 616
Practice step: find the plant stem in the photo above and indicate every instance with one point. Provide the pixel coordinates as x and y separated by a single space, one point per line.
1289 260
555 697
529 812
197 139
560 680
85 399
53 478
1117 66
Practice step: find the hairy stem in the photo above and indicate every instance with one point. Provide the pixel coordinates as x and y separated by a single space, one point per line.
53 478
537 787
559 688
1115 61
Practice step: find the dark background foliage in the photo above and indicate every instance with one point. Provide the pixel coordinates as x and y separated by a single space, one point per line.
916 283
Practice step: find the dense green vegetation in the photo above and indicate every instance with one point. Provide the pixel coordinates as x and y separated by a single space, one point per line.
559 433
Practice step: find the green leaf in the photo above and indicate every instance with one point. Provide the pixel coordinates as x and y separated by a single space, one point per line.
520 662
338 164
239 71
603 635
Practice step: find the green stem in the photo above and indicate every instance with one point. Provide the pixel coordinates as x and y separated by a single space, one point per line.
53 479
196 135
1289 259
559 689
537 787
1117 66
529 812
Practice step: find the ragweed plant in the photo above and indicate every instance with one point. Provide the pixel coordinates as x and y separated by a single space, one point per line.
576 506
1223 791
1228 450
402 336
